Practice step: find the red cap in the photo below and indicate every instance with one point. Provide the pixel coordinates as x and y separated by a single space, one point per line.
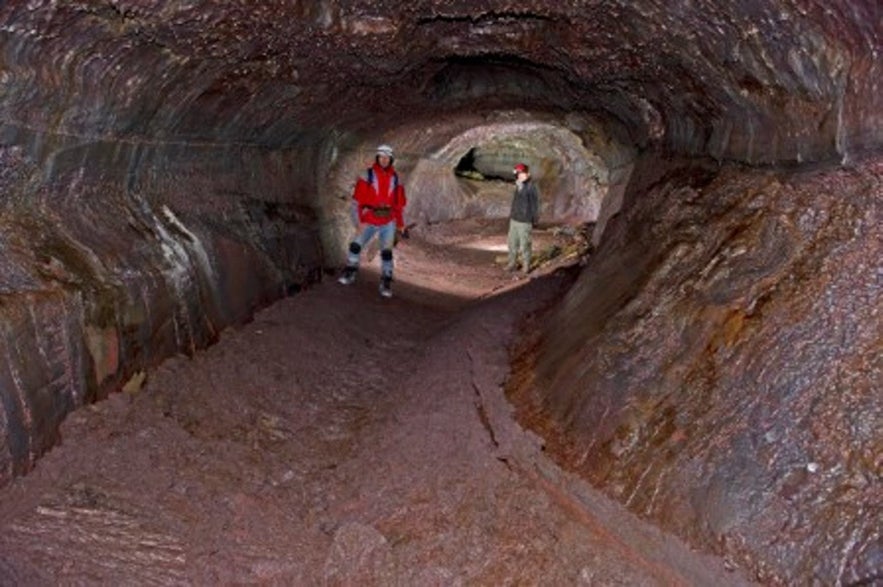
521 167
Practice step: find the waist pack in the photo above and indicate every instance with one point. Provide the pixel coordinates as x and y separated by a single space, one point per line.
382 212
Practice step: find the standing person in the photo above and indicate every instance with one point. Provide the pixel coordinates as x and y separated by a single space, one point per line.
378 202
522 218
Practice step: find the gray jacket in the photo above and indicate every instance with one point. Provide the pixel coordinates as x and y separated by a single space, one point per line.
526 203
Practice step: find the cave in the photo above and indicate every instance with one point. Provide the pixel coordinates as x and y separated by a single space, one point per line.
686 390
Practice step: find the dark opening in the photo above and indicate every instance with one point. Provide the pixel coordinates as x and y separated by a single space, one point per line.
467 169
466 166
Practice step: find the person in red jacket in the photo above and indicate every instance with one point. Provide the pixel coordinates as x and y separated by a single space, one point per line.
378 203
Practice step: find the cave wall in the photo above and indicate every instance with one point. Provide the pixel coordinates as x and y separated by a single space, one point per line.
717 367
117 256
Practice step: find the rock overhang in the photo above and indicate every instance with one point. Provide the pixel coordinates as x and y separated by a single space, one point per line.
759 82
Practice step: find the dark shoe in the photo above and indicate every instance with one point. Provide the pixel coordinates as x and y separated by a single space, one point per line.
348 276
386 286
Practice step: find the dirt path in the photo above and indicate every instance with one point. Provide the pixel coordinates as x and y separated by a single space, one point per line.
339 439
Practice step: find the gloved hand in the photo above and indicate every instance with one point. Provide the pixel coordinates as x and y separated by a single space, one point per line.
400 234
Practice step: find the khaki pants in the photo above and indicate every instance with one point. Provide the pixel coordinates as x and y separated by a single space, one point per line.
519 241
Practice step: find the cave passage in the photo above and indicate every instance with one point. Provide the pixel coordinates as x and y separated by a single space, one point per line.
697 355
339 437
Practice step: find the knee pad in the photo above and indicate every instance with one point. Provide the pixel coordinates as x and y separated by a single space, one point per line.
386 255
355 248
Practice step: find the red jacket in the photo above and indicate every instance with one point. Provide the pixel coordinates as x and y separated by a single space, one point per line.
380 196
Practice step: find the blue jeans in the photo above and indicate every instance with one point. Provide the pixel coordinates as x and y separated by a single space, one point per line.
387 235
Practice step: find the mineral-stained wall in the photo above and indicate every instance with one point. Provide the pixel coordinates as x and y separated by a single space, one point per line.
719 367
120 256
168 166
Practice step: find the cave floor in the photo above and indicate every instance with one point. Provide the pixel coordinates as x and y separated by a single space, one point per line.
338 439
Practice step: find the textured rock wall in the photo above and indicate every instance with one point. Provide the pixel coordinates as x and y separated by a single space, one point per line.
718 365
118 255
163 172
750 80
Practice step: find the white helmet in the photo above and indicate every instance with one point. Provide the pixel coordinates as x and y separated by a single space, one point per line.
385 150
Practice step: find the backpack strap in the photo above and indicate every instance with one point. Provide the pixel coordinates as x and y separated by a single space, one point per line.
395 181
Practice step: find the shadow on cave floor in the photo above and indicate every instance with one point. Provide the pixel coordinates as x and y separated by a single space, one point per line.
339 438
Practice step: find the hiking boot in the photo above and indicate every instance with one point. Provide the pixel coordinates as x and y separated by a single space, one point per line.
386 286
348 276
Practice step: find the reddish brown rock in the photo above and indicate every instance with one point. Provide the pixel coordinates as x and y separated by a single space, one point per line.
717 366
168 167
102 278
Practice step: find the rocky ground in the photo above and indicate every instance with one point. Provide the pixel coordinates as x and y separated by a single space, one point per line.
339 439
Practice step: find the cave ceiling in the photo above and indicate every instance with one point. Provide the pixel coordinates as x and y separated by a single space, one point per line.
275 72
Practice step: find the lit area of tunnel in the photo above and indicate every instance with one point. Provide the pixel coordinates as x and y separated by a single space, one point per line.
574 161
570 159
571 179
